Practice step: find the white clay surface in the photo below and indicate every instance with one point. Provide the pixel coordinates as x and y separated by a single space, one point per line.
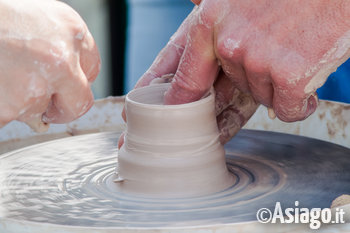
171 150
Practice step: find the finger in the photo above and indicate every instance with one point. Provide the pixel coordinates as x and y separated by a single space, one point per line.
231 53
124 114
36 124
234 117
291 102
164 79
33 115
237 74
261 88
168 59
197 69
165 64
90 61
121 140
225 92
70 101
259 81
289 107
83 41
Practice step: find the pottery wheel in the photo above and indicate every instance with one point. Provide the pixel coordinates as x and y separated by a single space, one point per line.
70 182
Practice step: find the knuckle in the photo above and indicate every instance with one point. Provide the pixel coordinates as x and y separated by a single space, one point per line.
79 31
228 49
73 24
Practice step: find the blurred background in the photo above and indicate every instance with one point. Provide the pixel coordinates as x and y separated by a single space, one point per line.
130 34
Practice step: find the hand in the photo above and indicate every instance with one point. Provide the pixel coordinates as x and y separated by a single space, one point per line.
279 52
271 49
48 59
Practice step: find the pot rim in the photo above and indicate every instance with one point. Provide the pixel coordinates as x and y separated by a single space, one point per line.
208 97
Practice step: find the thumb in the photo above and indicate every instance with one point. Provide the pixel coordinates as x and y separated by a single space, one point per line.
197 69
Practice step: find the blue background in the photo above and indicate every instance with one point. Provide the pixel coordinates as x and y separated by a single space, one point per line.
152 22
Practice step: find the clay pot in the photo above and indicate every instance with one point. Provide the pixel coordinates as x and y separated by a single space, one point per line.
171 150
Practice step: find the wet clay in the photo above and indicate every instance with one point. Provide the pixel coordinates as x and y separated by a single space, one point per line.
70 183
171 151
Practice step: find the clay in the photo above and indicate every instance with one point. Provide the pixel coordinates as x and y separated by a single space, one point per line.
67 185
171 151
271 113
38 125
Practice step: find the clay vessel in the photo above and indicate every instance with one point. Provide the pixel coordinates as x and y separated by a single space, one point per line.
171 151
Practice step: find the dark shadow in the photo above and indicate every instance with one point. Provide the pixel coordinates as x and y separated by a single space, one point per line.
118 23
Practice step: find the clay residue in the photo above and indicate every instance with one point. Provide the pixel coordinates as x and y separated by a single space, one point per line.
321 116
338 118
101 103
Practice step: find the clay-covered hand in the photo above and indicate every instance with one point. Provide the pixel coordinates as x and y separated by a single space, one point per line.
48 59
278 51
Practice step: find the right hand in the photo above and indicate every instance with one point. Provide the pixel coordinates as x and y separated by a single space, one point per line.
276 52
272 50
48 60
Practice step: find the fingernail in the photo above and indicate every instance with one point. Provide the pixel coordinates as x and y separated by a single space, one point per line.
271 113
